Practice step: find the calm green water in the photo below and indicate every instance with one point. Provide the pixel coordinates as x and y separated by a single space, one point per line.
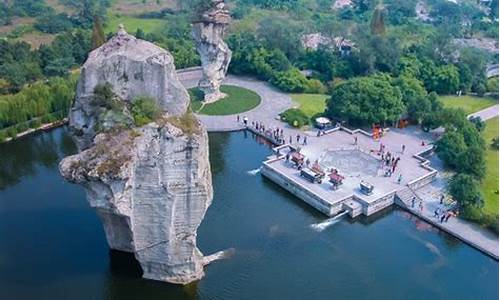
52 245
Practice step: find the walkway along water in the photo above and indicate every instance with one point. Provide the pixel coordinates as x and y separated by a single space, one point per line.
274 102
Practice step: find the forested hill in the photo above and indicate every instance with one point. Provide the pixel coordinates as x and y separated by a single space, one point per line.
271 39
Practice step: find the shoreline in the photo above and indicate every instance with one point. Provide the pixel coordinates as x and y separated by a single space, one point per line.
43 127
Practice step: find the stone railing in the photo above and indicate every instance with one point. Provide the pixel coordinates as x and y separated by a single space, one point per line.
425 164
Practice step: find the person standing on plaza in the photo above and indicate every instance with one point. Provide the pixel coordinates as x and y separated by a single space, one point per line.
238 118
298 138
400 178
403 147
413 201
305 140
355 140
421 206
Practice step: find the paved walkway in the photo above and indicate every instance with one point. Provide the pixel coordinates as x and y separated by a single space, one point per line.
275 102
473 234
487 113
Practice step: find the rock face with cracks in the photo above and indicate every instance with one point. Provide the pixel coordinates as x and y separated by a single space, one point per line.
134 68
215 55
150 185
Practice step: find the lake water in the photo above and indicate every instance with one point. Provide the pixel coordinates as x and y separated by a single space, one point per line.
52 245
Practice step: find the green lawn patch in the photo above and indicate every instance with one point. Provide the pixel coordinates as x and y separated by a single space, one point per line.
310 104
132 23
490 182
469 104
238 100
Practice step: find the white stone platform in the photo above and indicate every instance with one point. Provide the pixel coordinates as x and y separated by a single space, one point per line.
356 163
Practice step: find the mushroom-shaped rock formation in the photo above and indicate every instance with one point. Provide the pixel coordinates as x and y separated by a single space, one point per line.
150 184
208 31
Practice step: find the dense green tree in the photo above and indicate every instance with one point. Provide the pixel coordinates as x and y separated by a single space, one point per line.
366 100
444 79
466 191
400 12
291 81
414 96
281 33
54 23
451 148
36 101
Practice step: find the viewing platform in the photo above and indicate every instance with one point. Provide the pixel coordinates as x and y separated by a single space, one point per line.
356 163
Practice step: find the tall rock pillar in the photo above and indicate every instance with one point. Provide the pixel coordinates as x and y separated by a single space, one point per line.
208 31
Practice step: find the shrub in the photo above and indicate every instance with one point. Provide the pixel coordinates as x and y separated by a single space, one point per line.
494 143
105 97
478 123
290 81
21 127
314 86
3 135
12 132
492 85
144 110
35 123
295 117
188 123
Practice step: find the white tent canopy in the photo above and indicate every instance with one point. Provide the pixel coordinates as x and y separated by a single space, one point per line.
322 121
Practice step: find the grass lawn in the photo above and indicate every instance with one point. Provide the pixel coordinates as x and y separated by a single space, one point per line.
310 104
238 100
490 182
132 24
470 104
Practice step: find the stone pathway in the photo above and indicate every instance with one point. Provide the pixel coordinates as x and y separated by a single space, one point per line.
472 234
487 113
275 102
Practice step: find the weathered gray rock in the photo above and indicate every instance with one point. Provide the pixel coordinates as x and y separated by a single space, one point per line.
134 68
151 188
150 185
215 55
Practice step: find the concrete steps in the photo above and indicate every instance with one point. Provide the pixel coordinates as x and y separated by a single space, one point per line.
404 197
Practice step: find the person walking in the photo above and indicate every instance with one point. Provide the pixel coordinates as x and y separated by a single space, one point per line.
238 118
298 138
441 199
436 213
290 140
403 147
443 216
421 206
448 216
355 140
413 202
305 140
400 178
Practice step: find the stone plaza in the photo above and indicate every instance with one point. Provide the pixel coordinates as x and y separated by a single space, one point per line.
357 161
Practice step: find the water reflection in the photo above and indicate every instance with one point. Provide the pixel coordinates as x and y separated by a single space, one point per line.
21 157
52 245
